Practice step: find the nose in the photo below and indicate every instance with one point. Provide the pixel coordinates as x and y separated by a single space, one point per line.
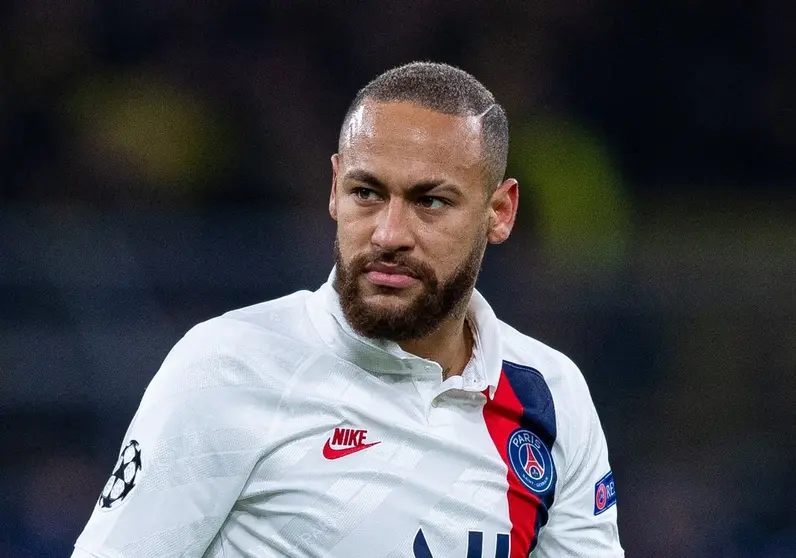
393 232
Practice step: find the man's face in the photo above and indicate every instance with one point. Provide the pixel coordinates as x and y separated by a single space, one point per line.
413 218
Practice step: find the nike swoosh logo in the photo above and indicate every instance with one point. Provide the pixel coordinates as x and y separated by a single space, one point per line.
331 453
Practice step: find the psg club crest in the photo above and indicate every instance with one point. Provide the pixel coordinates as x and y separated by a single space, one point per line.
124 477
531 461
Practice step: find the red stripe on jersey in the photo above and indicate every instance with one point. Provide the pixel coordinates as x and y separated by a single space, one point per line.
502 417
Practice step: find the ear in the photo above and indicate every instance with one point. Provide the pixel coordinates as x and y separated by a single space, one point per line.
503 211
333 195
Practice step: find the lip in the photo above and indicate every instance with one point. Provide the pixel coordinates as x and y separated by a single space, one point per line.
390 276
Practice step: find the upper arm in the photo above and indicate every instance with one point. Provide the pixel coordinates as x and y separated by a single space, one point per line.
196 440
577 526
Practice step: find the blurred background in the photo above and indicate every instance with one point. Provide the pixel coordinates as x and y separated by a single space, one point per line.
163 162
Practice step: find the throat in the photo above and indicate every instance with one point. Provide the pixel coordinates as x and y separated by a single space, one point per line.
452 351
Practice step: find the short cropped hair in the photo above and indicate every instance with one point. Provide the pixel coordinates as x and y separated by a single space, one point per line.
449 90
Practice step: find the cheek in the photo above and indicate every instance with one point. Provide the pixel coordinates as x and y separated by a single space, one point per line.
352 217
447 249
460 241
352 236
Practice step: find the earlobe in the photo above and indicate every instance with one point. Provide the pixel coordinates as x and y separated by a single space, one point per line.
503 211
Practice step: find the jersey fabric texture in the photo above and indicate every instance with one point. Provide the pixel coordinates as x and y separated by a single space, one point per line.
275 430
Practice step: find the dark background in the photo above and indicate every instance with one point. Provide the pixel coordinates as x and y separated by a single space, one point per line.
163 162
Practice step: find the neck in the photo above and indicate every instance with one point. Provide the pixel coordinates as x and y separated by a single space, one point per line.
451 346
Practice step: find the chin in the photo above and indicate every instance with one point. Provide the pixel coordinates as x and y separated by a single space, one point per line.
386 298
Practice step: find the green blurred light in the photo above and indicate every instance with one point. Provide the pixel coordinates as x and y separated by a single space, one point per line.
577 201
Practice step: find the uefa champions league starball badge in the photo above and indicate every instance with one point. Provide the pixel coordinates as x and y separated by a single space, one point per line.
125 475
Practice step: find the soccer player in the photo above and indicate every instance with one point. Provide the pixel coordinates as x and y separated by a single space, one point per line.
389 413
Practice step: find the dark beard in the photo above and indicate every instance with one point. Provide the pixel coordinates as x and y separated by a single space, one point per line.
424 314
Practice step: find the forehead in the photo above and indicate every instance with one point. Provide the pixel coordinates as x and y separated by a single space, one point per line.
413 138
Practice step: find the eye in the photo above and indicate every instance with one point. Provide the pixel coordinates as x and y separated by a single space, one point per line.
365 194
431 202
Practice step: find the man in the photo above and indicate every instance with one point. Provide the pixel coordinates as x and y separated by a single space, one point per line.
389 413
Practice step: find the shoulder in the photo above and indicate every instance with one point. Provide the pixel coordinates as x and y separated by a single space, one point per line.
555 367
253 347
549 380
285 316
552 389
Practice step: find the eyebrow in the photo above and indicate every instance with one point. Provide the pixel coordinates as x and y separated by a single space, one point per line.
361 175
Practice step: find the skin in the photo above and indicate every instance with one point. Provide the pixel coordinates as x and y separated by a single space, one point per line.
409 179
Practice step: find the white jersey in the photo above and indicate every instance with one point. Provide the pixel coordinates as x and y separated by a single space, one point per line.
275 430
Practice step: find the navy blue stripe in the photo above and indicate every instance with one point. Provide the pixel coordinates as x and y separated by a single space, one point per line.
475 544
538 416
420 546
502 546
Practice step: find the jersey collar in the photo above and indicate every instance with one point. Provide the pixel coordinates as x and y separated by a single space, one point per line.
387 357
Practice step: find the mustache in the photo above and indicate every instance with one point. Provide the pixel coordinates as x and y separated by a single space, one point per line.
398 261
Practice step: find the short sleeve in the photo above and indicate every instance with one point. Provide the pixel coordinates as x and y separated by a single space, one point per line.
185 458
583 518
